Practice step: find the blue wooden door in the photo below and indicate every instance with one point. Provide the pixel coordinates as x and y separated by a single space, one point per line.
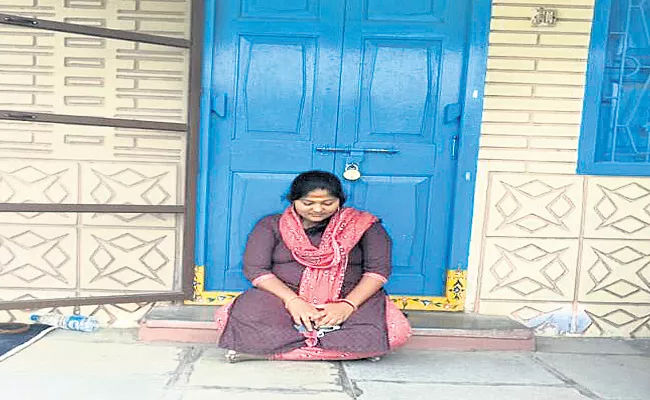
301 84
403 70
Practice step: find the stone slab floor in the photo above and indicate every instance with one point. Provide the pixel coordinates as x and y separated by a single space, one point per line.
111 364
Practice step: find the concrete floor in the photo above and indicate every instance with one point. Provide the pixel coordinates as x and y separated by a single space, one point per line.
111 364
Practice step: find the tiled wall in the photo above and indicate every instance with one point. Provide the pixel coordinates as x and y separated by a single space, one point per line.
558 251
47 255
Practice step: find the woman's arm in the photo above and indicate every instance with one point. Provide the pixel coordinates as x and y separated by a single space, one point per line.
302 312
258 262
376 246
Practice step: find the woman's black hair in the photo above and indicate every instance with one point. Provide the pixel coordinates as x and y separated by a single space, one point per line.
314 180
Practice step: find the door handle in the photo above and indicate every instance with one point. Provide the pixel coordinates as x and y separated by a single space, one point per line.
325 149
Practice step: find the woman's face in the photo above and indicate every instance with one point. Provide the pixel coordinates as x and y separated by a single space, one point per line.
317 206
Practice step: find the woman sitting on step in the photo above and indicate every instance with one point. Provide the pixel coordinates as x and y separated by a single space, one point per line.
318 272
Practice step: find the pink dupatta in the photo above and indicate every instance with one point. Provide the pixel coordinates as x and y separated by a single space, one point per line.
325 265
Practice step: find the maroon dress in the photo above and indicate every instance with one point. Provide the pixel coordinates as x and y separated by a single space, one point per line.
258 323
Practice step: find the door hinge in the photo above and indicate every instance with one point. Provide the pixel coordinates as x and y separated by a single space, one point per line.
453 112
218 103
455 141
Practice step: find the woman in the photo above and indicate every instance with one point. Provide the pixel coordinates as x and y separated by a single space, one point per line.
318 272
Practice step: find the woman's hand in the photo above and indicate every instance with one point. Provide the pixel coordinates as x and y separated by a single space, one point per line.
334 314
303 313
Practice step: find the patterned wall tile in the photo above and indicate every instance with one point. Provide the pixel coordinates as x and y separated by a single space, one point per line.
129 260
548 318
38 181
156 17
528 205
38 257
44 71
122 183
615 271
618 320
521 269
618 208
113 183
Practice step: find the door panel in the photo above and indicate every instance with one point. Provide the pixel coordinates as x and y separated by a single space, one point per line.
245 211
276 87
275 82
401 65
399 90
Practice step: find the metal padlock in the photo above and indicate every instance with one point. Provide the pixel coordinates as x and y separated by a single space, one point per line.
351 172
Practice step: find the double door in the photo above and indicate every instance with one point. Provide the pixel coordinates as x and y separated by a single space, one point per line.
333 85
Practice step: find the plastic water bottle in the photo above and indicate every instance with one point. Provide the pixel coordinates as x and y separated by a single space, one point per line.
72 322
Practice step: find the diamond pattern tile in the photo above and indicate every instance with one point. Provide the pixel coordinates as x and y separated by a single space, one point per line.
534 206
137 259
617 208
615 271
540 269
618 320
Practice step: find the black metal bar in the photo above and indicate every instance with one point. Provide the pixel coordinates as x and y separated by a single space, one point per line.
84 301
192 152
323 149
92 208
92 121
130 36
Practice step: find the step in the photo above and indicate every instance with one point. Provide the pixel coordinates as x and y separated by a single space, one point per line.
431 330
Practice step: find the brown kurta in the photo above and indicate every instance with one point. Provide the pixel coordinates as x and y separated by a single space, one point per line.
258 323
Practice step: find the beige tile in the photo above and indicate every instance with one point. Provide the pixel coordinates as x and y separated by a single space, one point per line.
128 259
38 181
529 205
562 26
615 271
527 12
130 183
38 256
618 208
525 269
618 320
533 314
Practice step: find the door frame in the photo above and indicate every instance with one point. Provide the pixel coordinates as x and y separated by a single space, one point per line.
463 203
